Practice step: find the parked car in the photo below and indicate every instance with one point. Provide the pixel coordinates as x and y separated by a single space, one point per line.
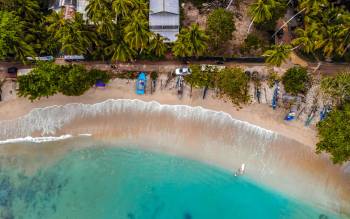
40 58
183 71
73 58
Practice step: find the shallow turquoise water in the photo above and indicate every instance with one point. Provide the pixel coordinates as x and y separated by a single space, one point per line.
108 183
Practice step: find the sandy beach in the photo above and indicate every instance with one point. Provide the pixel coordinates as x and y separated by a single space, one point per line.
258 114
279 155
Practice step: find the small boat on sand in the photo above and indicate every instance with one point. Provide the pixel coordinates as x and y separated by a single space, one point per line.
141 84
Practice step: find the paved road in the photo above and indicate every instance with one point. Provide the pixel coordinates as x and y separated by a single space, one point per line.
168 66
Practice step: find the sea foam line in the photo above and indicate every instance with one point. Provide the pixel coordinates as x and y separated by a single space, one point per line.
49 119
35 139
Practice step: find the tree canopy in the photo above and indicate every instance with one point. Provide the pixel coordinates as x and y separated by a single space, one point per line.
277 54
296 80
337 88
190 42
48 79
231 83
334 134
220 26
12 38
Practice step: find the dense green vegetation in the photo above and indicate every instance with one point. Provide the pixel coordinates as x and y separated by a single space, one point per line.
118 30
277 54
220 26
337 88
190 42
296 80
47 79
253 45
265 13
231 83
334 133
323 35
28 29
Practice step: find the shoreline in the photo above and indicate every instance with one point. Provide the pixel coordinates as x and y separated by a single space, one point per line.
213 132
256 114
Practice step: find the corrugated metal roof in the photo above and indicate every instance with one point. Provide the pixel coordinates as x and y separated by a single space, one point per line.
171 6
164 19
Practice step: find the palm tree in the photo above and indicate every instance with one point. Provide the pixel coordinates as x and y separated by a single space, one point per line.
182 45
190 42
344 33
120 51
12 40
278 54
307 38
262 10
137 33
27 9
74 35
141 7
123 7
55 21
98 11
157 45
330 40
95 9
197 39
313 6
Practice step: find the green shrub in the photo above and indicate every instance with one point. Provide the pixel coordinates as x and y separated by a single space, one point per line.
233 83
253 43
154 75
220 26
296 80
200 78
47 79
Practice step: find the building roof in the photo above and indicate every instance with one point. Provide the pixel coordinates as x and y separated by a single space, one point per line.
170 6
54 4
164 18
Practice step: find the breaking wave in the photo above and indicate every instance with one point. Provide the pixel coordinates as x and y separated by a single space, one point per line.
50 119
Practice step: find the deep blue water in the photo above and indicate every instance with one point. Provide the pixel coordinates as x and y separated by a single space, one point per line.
113 183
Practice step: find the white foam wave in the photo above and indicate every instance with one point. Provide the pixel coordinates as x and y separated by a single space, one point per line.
35 139
50 119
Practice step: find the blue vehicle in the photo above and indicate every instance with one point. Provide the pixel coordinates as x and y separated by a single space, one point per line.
141 84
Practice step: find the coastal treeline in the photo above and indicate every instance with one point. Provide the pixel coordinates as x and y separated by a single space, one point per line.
334 131
119 31
113 30
48 79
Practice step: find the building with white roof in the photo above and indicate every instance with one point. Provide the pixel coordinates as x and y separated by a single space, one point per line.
164 18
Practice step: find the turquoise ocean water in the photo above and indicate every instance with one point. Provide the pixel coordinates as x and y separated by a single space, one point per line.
119 183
